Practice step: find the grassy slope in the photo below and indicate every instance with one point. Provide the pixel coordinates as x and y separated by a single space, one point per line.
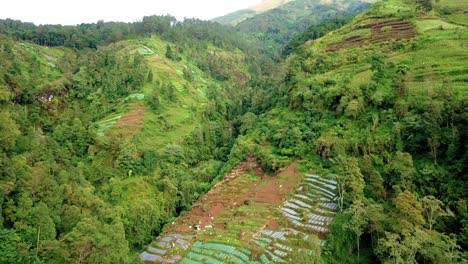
440 55
237 17
276 27
173 121
47 59
170 124
436 57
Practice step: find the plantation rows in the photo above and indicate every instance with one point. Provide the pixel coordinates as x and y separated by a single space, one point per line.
214 253
104 125
314 206
161 251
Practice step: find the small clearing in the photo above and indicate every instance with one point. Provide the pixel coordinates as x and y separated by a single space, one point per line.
130 123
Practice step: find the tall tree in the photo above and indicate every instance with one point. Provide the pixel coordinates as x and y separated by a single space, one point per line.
432 209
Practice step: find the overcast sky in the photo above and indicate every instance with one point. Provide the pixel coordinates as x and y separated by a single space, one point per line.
71 12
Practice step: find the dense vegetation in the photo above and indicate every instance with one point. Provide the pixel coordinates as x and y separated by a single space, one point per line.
276 27
379 104
69 195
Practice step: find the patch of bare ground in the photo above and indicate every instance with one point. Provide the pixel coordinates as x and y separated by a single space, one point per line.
381 31
388 30
132 122
234 191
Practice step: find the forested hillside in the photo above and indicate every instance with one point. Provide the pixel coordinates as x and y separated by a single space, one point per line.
236 17
275 28
110 130
380 105
117 137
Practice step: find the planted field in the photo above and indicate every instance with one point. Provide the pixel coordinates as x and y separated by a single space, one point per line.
380 31
314 206
123 125
250 217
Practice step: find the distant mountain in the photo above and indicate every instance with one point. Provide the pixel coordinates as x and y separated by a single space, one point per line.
236 17
278 26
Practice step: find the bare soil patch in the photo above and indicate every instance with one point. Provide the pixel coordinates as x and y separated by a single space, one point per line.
132 122
231 193
381 31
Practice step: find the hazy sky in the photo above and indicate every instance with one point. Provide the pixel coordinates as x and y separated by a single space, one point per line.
70 12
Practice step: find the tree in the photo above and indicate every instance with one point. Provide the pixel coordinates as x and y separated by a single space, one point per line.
408 207
10 241
350 181
171 54
171 92
8 131
358 220
150 76
402 166
433 209
92 241
425 5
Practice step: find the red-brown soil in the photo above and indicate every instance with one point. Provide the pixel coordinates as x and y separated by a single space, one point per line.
231 193
397 30
381 31
273 225
132 122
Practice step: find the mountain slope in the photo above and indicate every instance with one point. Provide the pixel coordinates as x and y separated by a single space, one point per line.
96 140
276 27
236 17
380 104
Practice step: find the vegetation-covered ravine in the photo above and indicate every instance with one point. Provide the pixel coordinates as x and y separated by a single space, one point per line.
343 140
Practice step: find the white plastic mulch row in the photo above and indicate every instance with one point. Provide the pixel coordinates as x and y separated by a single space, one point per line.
273 234
300 203
328 185
324 212
164 244
322 190
320 217
332 206
310 226
321 178
291 216
274 258
283 247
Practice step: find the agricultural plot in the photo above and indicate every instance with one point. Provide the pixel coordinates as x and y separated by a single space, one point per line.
314 206
248 218
215 253
106 124
167 249
124 125
145 51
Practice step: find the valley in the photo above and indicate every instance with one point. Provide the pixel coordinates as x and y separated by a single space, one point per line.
304 131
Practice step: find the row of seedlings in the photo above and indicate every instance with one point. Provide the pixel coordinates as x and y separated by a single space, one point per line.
314 206
274 244
162 250
216 253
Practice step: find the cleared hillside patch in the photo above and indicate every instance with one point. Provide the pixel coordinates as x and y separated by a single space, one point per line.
243 219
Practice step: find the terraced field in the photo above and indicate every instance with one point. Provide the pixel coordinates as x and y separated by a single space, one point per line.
250 218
